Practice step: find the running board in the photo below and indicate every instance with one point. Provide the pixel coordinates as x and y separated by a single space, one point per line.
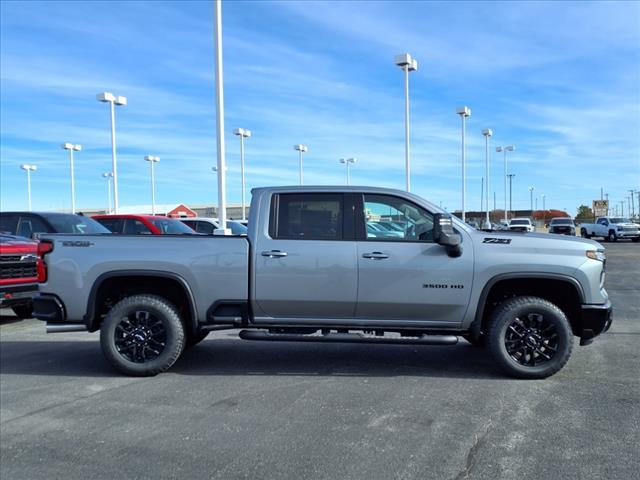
348 338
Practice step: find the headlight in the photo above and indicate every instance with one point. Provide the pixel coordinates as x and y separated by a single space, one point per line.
596 255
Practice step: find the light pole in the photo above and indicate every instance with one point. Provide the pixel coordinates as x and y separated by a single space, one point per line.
632 207
544 208
606 197
464 113
112 100
242 133
219 84
531 189
152 160
347 161
300 149
481 194
622 208
72 148
488 133
508 148
29 168
511 175
108 176
407 64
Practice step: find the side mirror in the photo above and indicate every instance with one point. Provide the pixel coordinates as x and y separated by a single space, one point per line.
443 234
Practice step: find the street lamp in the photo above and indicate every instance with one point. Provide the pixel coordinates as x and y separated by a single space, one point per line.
152 160
531 189
488 133
508 148
112 100
242 133
544 207
108 176
72 148
511 175
300 149
29 168
464 112
407 64
347 161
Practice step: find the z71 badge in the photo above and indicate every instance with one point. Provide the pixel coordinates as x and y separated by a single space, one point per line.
504 241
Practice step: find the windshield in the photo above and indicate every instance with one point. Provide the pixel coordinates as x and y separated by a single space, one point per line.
169 226
75 224
619 220
520 222
561 221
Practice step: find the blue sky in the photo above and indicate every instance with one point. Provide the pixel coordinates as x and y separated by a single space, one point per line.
559 80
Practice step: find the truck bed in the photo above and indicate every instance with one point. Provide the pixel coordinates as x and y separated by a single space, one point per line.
213 267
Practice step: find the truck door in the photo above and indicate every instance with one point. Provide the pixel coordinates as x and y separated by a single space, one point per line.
403 274
305 265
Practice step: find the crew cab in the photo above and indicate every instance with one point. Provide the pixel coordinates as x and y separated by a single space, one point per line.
309 270
611 229
521 225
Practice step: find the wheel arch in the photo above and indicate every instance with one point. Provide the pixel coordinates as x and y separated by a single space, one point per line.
561 290
131 282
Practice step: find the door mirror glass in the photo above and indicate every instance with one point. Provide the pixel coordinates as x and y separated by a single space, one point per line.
445 235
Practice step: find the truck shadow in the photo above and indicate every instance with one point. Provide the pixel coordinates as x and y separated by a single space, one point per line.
222 357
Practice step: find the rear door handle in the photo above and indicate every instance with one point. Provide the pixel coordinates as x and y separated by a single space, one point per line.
376 255
274 253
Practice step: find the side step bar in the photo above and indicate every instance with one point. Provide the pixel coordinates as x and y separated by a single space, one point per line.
348 338
66 327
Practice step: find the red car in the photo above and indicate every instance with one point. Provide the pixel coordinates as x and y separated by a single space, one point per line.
20 271
143 225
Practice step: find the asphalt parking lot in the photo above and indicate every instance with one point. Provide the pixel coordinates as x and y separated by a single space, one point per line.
235 409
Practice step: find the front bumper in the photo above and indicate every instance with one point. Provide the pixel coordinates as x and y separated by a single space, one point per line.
594 320
17 294
623 234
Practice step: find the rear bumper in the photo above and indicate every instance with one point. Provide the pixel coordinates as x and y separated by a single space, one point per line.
594 320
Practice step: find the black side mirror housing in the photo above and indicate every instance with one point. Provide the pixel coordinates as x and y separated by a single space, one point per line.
443 234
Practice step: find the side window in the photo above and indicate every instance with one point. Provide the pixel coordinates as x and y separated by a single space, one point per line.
27 226
202 227
9 224
308 216
394 219
114 225
136 227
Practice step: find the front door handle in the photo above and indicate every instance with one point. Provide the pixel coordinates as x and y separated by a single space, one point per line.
376 255
274 253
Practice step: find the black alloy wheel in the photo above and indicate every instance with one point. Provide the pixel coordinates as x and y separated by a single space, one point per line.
531 340
140 337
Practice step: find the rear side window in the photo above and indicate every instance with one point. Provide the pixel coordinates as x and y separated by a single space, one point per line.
8 223
136 227
27 226
307 216
202 227
112 224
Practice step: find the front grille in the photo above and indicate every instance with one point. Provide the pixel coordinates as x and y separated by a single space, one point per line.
12 267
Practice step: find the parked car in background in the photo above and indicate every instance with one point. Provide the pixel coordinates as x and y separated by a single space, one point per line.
562 225
25 224
209 225
143 225
502 225
521 225
473 224
18 274
611 229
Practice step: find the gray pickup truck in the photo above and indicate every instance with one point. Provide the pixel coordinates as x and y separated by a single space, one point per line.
331 264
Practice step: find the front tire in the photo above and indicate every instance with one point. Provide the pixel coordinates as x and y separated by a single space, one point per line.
142 335
612 237
529 337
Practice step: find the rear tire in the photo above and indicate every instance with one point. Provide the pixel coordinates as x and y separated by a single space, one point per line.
584 234
529 337
636 239
142 335
23 311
